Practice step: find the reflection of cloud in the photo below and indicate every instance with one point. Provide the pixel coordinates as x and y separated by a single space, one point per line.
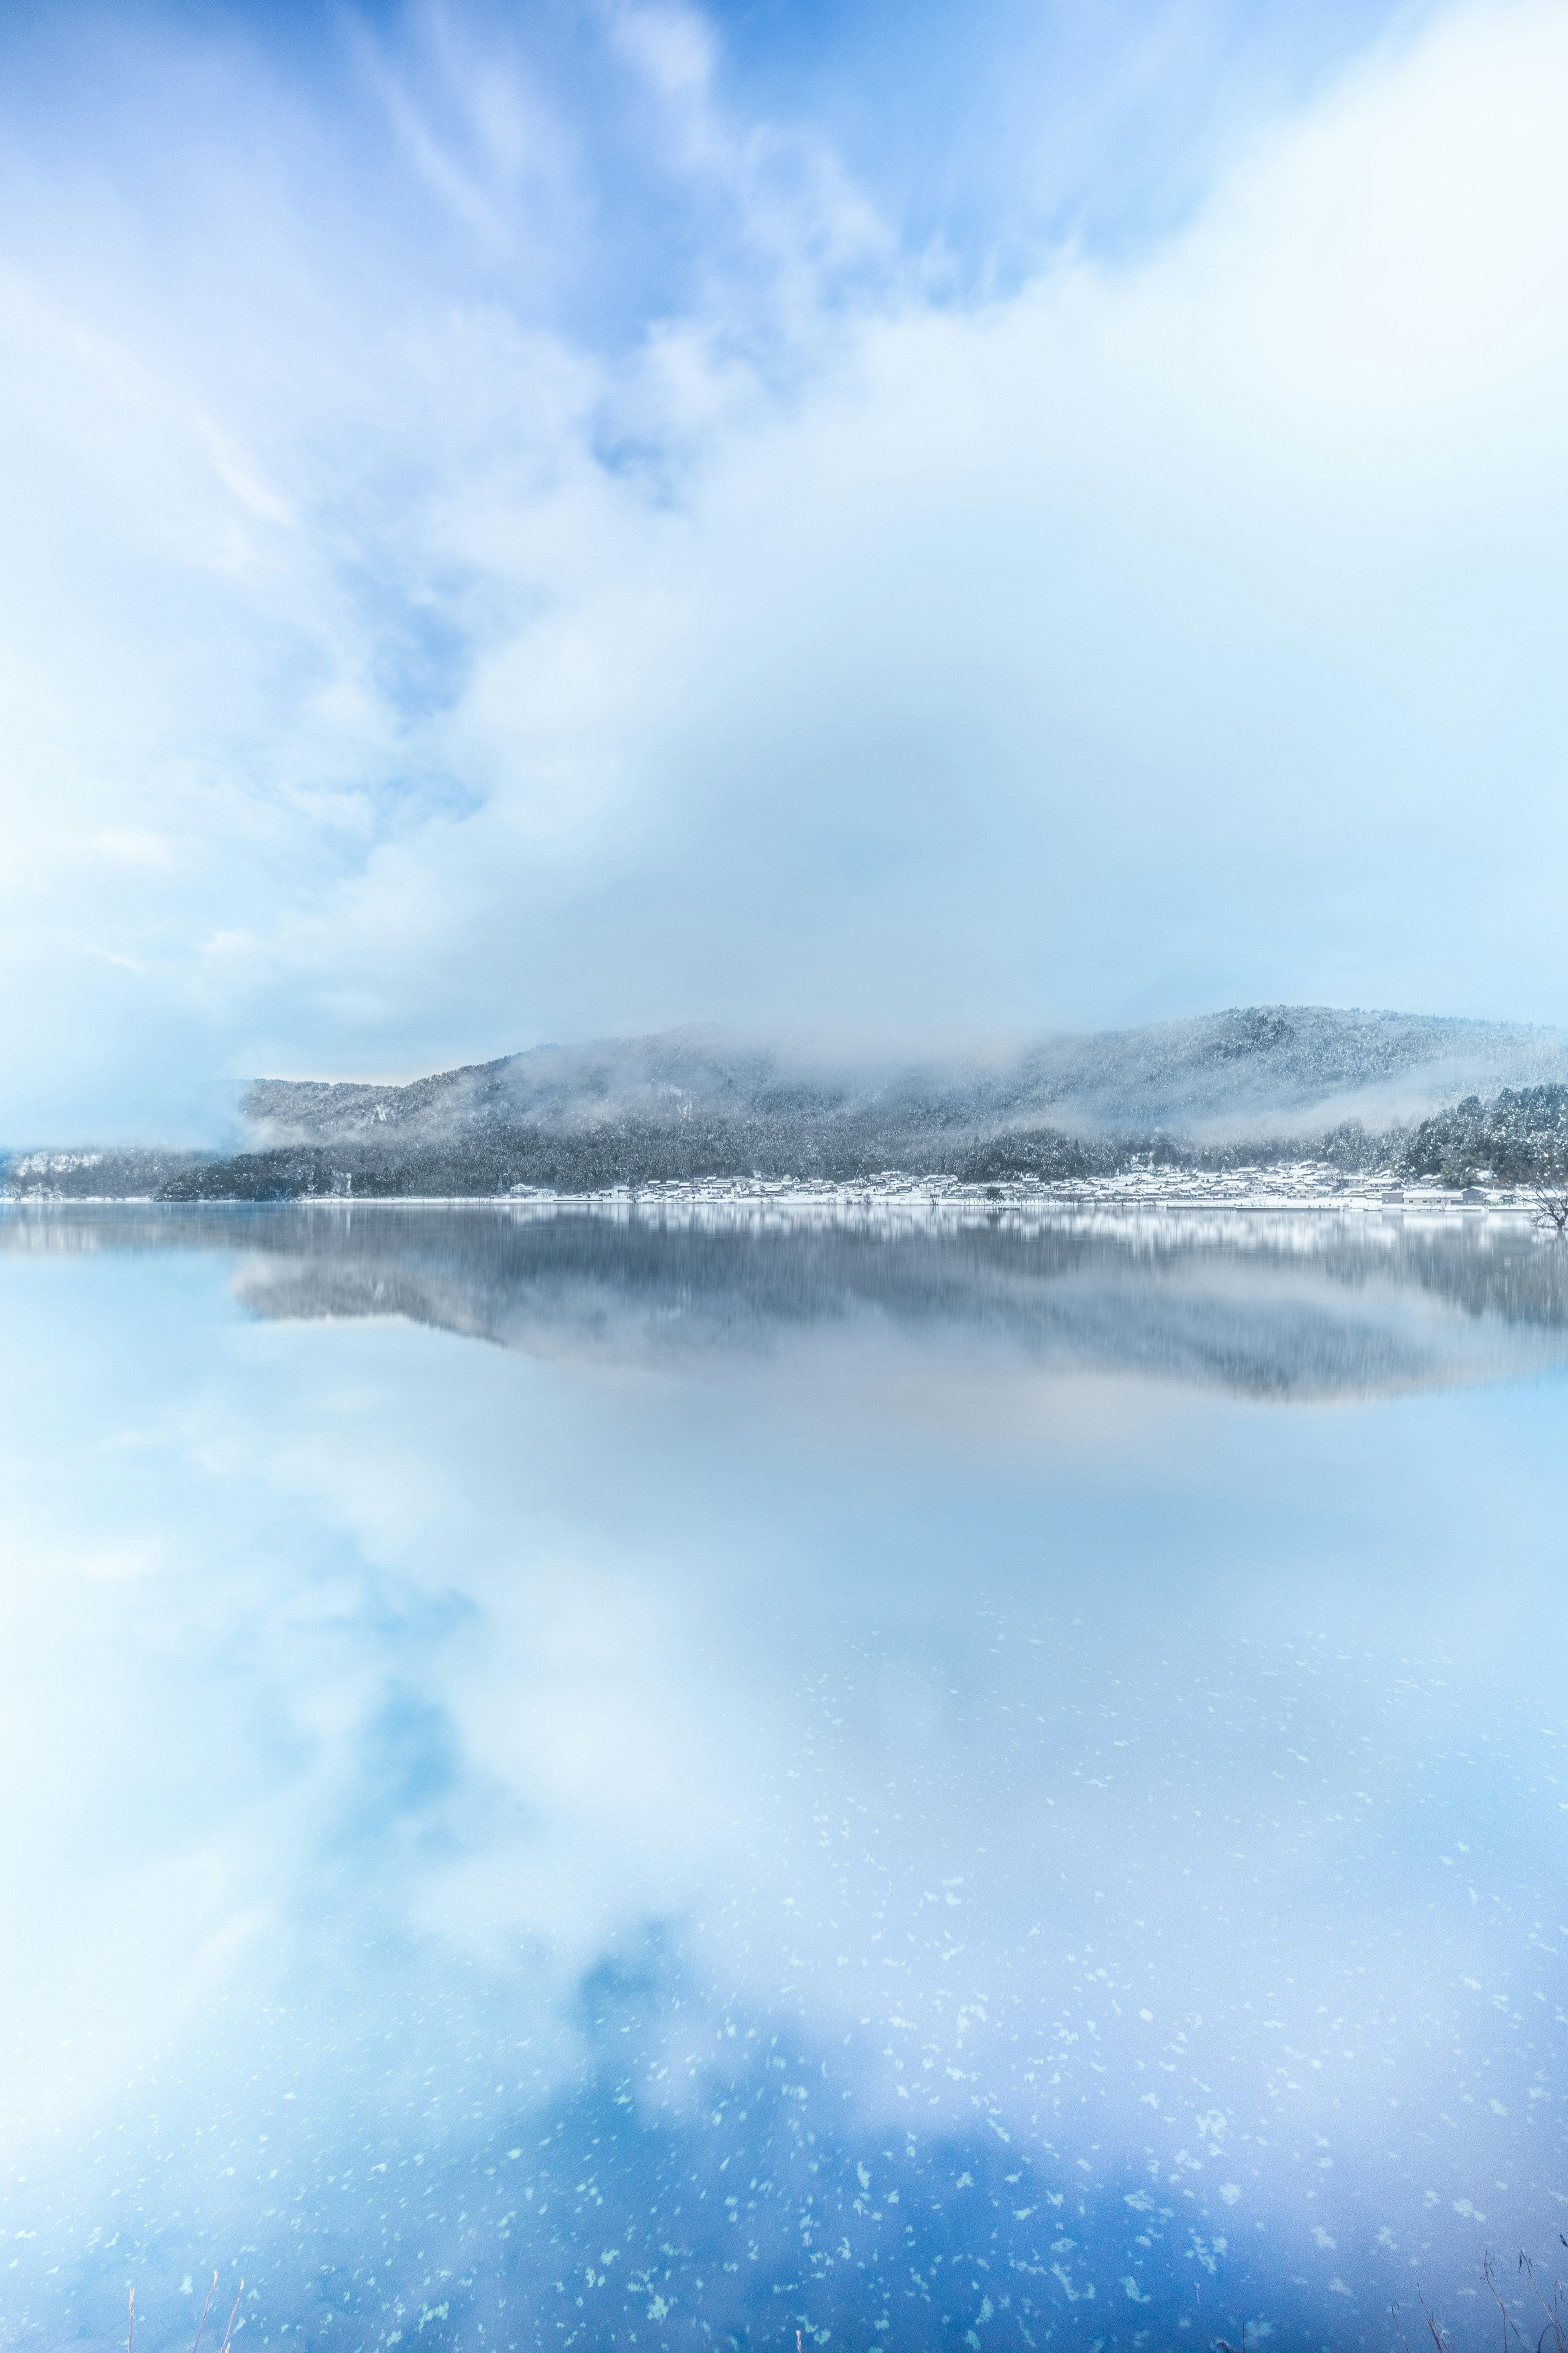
537 1723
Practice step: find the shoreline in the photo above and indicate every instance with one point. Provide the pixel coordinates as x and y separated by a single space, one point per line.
1293 1187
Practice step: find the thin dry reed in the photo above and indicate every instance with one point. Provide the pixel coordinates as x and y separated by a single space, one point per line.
228 2334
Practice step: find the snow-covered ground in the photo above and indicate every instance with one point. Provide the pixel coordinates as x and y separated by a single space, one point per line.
1294 1185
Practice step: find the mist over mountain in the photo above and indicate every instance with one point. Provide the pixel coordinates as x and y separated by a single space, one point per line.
1213 1077
1260 1082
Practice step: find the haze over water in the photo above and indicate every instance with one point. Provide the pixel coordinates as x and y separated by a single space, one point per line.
981 1784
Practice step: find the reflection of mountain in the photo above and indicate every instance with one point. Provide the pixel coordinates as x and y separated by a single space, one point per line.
1286 1305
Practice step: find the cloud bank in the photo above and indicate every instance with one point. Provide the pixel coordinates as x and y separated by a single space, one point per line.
509 537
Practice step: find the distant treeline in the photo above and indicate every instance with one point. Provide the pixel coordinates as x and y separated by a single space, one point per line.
1520 1135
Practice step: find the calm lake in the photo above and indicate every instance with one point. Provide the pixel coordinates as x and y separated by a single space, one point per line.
670 1778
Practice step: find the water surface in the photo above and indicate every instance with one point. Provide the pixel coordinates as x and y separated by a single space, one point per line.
610 1780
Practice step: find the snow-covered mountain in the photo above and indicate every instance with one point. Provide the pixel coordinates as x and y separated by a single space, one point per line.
1263 1082
1250 1070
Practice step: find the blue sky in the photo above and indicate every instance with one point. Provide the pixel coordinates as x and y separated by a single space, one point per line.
524 523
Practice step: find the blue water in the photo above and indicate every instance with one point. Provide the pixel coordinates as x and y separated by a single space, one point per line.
577 1787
